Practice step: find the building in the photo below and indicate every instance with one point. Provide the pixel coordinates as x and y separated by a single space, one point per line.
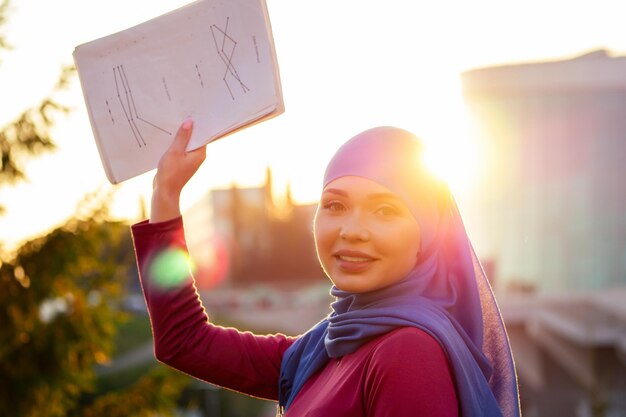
551 210
242 236
550 219
570 352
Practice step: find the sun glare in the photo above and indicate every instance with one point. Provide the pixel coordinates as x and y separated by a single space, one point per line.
454 160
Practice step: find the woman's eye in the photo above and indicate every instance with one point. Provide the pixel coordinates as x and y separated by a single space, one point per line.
334 206
386 210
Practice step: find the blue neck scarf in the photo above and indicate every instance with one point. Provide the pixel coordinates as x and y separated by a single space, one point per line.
446 294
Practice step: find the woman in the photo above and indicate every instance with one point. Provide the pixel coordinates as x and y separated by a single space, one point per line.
415 329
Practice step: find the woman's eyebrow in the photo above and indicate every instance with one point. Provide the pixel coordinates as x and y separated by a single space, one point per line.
336 191
373 196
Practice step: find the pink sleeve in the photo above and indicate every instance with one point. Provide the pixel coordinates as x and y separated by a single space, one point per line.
183 336
409 376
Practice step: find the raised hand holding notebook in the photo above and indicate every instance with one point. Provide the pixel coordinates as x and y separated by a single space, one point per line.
212 60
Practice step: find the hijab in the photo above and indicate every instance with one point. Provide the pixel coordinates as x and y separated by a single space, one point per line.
446 294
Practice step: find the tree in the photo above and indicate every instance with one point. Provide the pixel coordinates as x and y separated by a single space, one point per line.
29 134
3 9
60 296
59 314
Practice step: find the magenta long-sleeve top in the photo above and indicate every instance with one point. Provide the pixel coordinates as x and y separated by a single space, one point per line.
404 373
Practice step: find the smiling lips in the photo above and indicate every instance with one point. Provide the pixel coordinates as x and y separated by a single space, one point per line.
353 261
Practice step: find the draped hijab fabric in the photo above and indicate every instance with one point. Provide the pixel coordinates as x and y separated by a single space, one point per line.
446 294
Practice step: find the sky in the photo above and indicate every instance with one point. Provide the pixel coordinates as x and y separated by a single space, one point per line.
345 66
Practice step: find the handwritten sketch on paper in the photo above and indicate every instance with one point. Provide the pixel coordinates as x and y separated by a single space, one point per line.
213 60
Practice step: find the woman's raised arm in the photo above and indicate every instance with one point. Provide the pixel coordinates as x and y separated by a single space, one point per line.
184 338
175 169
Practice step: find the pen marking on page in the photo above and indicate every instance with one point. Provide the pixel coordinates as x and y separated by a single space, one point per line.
167 91
226 51
256 50
129 107
199 76
110 113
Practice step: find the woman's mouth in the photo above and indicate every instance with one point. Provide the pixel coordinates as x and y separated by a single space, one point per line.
353 258
353 262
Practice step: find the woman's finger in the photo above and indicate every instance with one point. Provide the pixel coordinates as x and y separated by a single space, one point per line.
183 135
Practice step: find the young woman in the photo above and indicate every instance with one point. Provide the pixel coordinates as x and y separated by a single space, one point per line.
415 329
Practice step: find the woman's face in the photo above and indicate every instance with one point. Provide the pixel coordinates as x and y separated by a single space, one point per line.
366 237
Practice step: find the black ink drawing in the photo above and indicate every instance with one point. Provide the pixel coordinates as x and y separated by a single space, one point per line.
225 46
199 76
127 101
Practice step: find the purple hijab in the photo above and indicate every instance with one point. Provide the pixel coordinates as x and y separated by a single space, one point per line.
446 294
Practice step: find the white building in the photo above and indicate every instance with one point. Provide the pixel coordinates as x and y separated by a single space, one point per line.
551 209
550 217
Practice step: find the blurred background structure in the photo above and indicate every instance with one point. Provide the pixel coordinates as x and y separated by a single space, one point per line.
554 201
245 236
555 211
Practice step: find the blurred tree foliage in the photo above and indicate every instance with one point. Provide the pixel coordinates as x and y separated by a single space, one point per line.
152 395
60 297
3 9
28 134
61 304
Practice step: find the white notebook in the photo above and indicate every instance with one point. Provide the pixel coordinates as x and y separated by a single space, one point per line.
211 60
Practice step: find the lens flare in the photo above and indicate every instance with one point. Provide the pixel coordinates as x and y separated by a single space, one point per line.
212 264
171 268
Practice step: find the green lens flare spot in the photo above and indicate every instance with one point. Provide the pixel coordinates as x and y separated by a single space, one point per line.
170 268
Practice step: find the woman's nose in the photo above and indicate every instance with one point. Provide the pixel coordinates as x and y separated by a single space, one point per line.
353 229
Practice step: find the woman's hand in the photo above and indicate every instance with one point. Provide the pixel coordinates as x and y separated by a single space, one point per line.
175 169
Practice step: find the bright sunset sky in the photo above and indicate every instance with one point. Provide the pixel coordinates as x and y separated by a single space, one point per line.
346 65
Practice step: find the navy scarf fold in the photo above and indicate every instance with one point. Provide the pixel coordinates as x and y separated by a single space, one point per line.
446 294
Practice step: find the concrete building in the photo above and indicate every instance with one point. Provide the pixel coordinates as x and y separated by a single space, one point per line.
551 210
570 352
549 217
242 236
